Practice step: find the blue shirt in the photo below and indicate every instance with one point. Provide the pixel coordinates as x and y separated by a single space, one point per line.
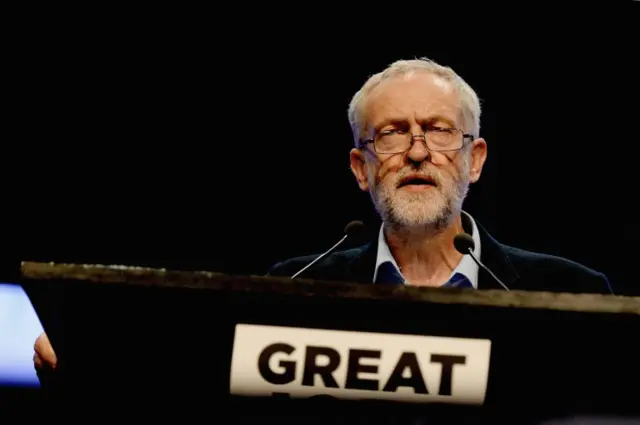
464 275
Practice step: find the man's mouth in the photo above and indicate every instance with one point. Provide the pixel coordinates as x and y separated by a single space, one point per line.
417 182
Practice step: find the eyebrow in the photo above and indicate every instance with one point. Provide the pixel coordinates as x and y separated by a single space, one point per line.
442 118
430 120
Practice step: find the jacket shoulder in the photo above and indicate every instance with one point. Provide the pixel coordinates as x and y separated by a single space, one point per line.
555 273
330 267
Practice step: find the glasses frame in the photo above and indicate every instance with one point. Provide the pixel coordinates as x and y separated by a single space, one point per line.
465 137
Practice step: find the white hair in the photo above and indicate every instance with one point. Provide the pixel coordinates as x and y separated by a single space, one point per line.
470 101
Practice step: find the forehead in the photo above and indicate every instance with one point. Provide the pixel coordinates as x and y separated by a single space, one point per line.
419 96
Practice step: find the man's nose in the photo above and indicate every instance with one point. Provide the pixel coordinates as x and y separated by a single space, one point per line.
418 151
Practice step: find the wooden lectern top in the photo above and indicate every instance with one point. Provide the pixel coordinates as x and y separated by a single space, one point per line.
114 274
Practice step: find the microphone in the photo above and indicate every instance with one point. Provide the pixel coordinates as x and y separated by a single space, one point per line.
464 244
354 229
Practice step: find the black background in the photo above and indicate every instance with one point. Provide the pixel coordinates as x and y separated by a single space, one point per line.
218 139
193 145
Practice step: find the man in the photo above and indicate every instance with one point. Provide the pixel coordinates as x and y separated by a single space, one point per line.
417 150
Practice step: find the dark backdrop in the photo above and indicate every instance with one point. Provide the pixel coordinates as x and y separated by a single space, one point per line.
174 149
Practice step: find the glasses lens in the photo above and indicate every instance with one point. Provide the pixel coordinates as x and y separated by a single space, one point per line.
393 142
444 139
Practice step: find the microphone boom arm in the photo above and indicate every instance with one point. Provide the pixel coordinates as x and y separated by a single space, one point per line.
485 268
320 257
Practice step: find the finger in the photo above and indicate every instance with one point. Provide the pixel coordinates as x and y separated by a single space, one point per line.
44 349
37 361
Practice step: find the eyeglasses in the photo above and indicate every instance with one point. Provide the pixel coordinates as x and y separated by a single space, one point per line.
437 139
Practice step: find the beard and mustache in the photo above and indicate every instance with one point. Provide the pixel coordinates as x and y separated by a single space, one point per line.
434 208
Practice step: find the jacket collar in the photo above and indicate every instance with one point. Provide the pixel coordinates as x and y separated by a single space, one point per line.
496 258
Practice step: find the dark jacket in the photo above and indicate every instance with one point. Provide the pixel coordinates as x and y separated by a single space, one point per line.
517 268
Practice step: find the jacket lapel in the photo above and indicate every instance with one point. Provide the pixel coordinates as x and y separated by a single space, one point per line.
496 258
361 268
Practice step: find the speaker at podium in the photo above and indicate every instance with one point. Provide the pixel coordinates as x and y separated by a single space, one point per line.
248 345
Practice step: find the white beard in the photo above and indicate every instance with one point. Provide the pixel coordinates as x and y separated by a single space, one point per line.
435 208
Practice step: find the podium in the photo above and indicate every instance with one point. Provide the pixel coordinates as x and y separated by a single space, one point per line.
252 345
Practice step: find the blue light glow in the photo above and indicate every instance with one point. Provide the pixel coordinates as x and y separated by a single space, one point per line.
19 328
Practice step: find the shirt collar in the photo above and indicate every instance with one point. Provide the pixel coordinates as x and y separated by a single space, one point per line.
467 267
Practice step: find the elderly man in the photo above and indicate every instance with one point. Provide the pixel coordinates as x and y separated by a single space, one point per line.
417 150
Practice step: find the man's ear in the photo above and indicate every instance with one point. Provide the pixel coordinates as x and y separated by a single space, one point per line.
478 157
359 168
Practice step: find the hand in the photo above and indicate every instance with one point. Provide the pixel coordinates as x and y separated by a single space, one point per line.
44 357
